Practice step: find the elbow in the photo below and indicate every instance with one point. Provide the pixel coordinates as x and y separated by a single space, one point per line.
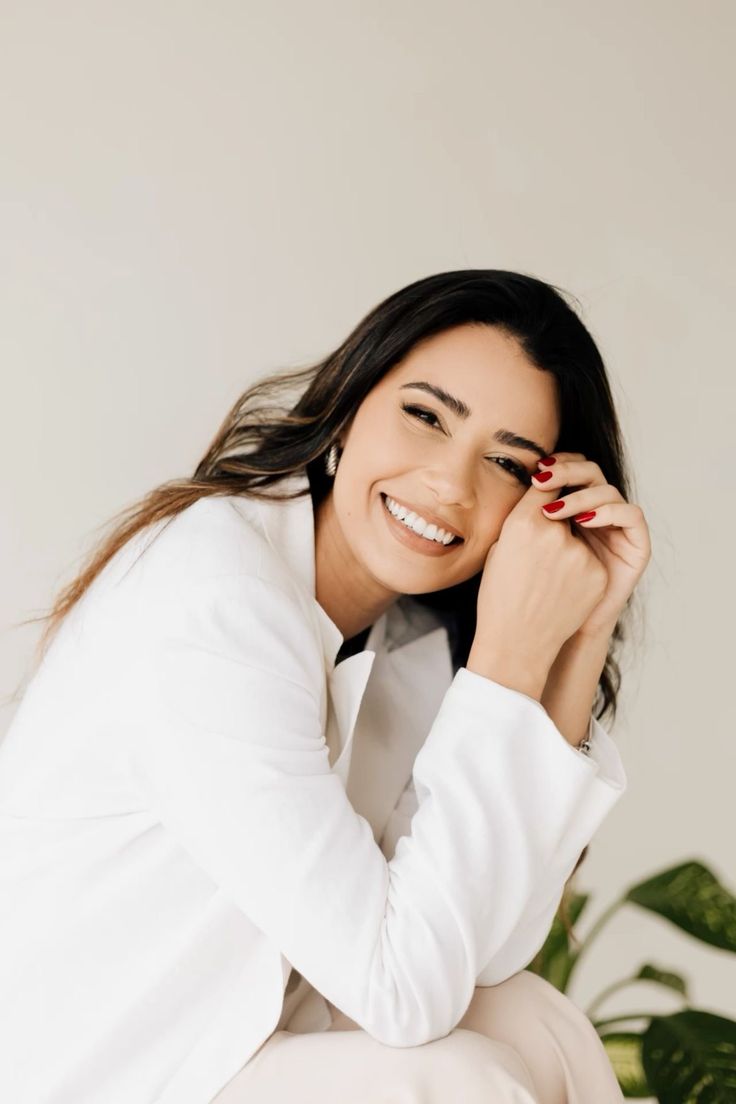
420 1019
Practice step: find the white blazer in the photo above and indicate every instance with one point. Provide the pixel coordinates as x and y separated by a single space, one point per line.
194 800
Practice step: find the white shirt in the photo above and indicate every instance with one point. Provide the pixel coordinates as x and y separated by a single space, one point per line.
194 799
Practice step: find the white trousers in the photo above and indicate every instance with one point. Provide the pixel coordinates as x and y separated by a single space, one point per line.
520 1042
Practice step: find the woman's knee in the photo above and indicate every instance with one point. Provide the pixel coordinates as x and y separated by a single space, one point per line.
353 1065
551 1034
521 999
552 1006
466 1065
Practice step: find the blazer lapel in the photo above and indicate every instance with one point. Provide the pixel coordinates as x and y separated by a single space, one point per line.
400 703
346 687
288 525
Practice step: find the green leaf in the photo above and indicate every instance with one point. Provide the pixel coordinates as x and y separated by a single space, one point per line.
554 960
691 897
576 904
690 1058
662 977
624 1051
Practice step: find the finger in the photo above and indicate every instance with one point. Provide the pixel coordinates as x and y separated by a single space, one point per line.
569 473
588 498
621 515
535 497
555 457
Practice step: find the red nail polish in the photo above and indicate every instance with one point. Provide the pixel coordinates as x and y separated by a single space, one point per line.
553 507
542 477
548 461
586 516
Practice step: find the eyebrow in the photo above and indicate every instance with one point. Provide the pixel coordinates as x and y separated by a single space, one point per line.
462 410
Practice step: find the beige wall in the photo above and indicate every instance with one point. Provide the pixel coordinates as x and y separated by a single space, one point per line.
196 194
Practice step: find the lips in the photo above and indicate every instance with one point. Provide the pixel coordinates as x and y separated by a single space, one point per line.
428 516
406 536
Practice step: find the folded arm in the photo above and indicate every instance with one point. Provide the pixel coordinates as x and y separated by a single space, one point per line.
229 749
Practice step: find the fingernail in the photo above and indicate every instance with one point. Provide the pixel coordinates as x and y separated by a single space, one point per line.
542 477
586 516
548 461
553 507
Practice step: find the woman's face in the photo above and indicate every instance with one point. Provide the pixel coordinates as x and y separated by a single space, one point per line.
406 443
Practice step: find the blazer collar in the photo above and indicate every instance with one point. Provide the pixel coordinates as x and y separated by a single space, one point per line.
290 529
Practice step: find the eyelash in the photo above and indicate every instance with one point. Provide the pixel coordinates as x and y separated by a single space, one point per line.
516 469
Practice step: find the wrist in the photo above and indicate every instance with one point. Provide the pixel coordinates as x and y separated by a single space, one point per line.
527 675
592 630
600 635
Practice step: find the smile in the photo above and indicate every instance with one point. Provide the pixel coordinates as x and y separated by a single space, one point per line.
415 532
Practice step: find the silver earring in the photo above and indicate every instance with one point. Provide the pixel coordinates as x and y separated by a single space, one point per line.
331 458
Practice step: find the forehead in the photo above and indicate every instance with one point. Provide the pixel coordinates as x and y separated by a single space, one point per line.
470 348
489 372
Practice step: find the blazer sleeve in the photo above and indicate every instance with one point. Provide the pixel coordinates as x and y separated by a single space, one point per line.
530 933
231 754
603 751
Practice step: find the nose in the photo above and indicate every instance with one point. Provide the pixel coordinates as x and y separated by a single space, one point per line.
451 487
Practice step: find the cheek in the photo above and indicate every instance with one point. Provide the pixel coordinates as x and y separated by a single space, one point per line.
373 445
488 529
379 459
495 505
397 447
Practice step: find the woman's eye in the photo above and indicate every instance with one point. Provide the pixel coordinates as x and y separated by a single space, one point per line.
516 469
505 462
420 413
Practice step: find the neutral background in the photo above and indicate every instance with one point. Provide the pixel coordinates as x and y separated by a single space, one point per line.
194 195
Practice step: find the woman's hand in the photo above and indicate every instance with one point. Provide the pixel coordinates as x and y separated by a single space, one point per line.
539 585
617 533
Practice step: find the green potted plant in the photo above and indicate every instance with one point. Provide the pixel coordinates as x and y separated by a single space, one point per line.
689 1056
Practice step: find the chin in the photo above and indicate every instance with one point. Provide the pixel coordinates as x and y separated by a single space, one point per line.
412 579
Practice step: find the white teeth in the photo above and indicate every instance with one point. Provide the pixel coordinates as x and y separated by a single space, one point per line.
417 524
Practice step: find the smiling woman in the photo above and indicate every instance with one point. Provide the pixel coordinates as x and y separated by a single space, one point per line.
506 320
302 749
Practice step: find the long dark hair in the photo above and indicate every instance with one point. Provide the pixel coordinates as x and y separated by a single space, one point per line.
266 436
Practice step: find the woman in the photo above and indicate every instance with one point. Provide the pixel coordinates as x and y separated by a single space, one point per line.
293 796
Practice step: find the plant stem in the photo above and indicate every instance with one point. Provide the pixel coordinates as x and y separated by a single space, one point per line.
600 922
605 993
628 1016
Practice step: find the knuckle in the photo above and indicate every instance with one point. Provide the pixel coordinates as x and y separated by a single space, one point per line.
555 535
524 523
